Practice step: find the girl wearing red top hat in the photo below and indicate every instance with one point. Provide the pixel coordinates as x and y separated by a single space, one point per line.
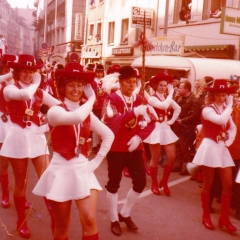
5 123
70 176
162 136
218 133
24 100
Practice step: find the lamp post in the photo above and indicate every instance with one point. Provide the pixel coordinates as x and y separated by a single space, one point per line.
166 18
45 21
55 25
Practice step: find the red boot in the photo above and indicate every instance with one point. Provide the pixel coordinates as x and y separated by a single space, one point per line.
146 163
51 214
154 188
22 227
164 181
93 237
206 220
125 172
224 217
5 191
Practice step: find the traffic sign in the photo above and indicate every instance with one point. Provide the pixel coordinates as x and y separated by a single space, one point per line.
44 45
138 17
44 53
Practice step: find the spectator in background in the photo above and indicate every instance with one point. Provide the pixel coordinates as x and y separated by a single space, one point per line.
182 14
89 67
185 125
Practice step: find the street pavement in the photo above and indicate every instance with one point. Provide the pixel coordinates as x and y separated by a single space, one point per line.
177 217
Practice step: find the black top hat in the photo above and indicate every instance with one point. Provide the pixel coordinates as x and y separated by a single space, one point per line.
127 72
99 67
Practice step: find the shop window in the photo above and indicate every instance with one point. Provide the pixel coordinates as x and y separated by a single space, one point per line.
99 31
124 33
111 30
90 35
215 10
233 3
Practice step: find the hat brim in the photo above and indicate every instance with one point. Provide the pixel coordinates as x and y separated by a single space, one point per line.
15 66
229 90
86 77
153 81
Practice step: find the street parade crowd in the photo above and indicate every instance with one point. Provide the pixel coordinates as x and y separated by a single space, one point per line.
113 115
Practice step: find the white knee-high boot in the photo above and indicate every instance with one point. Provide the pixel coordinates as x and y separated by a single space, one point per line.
112 199
132 198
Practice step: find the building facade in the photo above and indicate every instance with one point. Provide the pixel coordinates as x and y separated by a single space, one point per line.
15 25
201 34
60 26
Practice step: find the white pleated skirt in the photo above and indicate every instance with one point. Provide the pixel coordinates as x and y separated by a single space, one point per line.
238 177
24 142
161 134
213 154
4 127
66 180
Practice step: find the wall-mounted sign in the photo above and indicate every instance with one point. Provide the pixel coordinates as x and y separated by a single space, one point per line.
230 21
78 26
167 45
124 51
137 20
91 51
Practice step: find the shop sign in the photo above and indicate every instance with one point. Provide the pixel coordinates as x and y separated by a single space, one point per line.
167 45
45 52
137 18
124 51
78 26
88 52
230 21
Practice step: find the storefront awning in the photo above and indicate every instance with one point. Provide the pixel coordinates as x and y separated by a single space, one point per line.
213 51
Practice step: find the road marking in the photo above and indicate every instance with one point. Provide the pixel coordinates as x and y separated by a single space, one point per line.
148 192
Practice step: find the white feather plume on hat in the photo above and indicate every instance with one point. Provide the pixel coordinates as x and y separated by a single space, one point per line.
111 82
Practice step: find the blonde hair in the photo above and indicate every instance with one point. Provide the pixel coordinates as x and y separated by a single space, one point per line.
202 84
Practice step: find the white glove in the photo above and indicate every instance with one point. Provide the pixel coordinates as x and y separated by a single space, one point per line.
170 89
140 110
89 92
94 163
134 142
36 79
146 95
109 110
229 100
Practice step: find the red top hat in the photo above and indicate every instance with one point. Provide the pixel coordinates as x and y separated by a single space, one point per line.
221 85
160 77
6 58
74 70
26 61
114 69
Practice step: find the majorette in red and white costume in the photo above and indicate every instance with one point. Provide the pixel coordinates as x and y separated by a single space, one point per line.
123 113
219 132
5 123
70 175
100 93
25 138
167 111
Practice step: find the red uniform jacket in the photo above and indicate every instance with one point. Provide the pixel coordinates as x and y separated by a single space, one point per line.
124 124
17 109
64 140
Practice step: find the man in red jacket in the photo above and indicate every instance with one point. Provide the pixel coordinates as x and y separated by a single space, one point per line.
123 114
